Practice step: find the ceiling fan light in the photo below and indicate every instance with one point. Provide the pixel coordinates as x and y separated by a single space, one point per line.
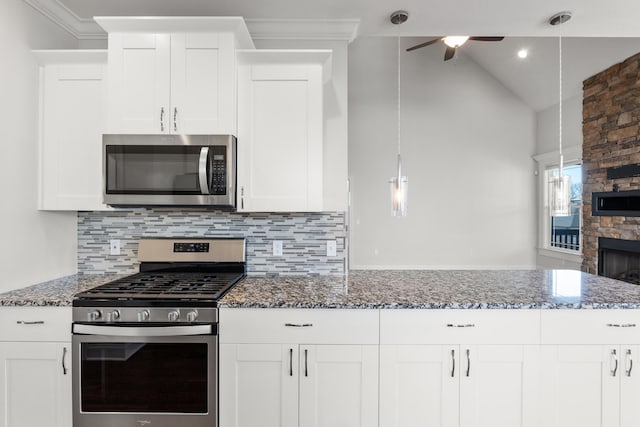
455 41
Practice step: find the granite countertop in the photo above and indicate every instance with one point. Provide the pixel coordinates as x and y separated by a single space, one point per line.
429 289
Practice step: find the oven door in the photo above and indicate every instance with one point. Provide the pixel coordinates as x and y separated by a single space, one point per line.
160 376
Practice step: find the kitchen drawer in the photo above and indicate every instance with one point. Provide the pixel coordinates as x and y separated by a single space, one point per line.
459 326
590 326
35 324
267 325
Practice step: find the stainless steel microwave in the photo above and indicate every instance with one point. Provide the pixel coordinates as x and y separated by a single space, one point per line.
169 170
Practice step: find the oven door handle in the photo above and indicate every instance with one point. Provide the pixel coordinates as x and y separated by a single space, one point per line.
202 170
144 331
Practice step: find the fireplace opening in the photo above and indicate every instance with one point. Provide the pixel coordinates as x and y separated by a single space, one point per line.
619 259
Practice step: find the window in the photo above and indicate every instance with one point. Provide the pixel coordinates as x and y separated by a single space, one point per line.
563 232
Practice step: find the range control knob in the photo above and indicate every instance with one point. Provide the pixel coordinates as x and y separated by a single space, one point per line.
113 316
192 316
143 315
173 316
94 315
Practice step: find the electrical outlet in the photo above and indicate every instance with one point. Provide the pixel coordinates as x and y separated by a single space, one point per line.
332 248
277 248
114 247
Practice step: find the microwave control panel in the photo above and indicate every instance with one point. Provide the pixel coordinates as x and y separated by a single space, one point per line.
218 185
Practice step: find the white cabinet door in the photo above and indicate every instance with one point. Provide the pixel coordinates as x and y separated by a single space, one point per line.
258 385
203 85
73 120
580 385
498 385
280 137
419 385
35 384
139 83
629 387
338 385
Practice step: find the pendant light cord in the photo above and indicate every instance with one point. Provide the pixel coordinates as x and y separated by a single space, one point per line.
560 106
398 95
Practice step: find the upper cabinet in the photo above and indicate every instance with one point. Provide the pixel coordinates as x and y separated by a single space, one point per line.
173 75
280 129
73 89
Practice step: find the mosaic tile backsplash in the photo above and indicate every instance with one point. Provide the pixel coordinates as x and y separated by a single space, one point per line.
303 235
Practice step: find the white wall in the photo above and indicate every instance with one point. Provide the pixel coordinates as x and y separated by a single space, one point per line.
547 125
467 144
36 246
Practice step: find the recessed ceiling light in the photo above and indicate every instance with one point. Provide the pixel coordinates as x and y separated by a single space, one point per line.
523 53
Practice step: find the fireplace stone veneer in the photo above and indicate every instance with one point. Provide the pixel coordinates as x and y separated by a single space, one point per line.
611 138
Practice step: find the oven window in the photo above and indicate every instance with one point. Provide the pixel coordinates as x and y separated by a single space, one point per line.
144 377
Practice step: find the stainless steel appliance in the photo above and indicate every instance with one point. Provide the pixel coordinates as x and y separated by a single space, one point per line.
145 347
169 170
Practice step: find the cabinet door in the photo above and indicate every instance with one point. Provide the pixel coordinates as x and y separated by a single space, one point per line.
35 384
498 385
580 385
139 83
419 385
73 120
280 137
258 385
629 387
338 386
202 84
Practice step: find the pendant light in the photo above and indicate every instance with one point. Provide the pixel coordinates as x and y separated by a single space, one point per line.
560 185
399 184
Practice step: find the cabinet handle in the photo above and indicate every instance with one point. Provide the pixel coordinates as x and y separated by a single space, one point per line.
64 355
175 116
290 362
161 119
621 325
35 322
242 197
453 362
614 358
298 325
306 370
468 361
628 371
464 325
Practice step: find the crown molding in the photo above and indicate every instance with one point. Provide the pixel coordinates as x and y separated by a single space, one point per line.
59 14
306 29
260 29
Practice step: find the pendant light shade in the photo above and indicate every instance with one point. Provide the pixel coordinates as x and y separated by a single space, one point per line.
399 185
560 185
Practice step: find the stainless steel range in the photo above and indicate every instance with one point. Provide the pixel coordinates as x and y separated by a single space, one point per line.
145 347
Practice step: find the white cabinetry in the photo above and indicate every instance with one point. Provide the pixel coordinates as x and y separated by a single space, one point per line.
306 376
587 372
72 119
35 361
458 368
173 75
280 129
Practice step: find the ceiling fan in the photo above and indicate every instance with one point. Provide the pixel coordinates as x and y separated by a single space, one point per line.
454 42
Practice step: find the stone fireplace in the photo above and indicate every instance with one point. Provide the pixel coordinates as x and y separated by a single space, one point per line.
619 259
611 139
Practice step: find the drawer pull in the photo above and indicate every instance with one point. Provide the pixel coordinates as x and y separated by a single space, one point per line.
621 325
614 358
628 371
26 322
461 325
298 325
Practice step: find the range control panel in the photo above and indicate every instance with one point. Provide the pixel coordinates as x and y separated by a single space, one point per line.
191 247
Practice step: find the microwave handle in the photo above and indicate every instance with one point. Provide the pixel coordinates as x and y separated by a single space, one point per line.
202 170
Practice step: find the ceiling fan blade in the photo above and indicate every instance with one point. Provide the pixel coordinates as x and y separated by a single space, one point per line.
430 42
486 39
449 53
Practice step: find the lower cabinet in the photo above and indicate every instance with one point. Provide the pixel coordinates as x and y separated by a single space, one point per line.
298 385
590 386
35 367
458 385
